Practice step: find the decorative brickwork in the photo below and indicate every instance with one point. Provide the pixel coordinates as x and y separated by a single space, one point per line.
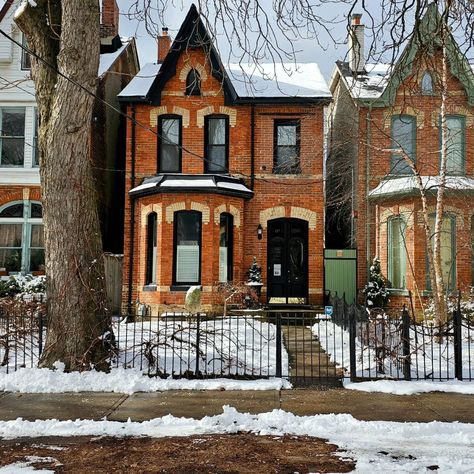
188 66
196 206
453 110
404 110
155 113
236 213
217 213
271 213
232 113
184 113
201 113
305 215
172 208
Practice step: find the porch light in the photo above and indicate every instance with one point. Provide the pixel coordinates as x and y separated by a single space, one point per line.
259 231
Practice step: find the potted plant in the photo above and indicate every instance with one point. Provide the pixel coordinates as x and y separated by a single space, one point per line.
254 277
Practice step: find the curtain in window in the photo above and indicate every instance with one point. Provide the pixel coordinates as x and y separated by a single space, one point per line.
216 160
403 138
169 145
455 145
187 250
396 253
13 136
37 248
11 247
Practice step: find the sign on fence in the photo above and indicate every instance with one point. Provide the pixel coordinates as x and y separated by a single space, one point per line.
328 310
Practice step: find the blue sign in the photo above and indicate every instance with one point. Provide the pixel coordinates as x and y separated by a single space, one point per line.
328 310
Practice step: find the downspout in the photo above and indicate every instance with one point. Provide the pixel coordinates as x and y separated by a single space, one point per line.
367 189
252 147
132 215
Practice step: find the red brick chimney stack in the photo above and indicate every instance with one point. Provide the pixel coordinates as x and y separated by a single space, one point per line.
109 26
164 45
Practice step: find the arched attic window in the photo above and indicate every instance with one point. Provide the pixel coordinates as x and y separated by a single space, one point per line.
427 84
193 83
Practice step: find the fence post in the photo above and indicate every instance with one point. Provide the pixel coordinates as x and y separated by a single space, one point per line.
406 343
198 329
278 345
352 343
457 323
40 335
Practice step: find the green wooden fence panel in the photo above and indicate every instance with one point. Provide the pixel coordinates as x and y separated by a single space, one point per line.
340 273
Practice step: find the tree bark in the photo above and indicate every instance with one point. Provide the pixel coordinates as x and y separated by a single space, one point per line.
65 33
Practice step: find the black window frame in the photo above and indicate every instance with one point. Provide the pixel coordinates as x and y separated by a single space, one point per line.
161 119
175 283
230 244
207 145
151 244
193 84
286 122
25 56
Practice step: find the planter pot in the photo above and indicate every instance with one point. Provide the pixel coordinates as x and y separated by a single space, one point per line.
257 287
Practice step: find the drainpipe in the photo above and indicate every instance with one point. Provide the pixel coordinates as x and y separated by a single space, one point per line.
367 189
252 147
132 216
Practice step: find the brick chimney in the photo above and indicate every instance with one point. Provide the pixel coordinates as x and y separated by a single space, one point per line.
356 44
109 25
164 44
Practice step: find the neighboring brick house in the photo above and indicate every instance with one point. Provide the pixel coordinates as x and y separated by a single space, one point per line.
218 172
21 230
379 110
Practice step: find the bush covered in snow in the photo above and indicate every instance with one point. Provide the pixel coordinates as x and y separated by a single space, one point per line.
375 291
466 304
23 287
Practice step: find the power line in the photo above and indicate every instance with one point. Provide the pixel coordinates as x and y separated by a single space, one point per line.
141 125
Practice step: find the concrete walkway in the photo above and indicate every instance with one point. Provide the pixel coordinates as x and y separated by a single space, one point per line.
196 404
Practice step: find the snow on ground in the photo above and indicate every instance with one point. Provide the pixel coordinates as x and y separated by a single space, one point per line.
402 387
429 360
26 466
120 380
376 446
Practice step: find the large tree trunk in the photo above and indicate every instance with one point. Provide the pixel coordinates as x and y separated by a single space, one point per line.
66 34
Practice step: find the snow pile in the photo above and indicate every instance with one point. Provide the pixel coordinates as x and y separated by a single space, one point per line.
26 467
403 387
376 446
120 381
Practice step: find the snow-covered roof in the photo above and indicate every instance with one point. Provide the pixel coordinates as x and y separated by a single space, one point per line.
107 60
206 183
267 81
409 184
369 85
278 80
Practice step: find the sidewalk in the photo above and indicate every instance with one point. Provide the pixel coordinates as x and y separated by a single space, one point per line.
197 404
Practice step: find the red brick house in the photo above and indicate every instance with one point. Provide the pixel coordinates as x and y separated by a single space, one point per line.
222 166
21 224
379 110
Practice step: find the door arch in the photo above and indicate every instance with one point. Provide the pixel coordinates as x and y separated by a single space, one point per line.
287 261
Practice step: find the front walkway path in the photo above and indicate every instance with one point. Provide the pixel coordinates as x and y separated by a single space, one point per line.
196 404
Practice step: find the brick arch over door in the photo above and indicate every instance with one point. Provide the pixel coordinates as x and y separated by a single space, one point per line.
277 212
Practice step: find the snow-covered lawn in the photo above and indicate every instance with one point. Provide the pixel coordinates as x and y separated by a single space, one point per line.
429 359
119 380
376 446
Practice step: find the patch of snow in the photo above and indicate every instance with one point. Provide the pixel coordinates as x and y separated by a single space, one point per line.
22 7
408 184
141 83
107 60
370 85
25 467
376 446
143 186
234 186
120 380
188 183
403 387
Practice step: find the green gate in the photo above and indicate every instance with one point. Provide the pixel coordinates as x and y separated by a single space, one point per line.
340 273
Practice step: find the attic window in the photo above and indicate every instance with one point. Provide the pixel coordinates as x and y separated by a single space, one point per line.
193 83
427 84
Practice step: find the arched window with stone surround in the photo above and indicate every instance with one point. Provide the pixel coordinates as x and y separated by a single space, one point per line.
427 87
151 241
21 238
226 247
193 83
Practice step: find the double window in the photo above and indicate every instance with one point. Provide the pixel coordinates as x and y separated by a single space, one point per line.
216 144
226 237
187 248
21 238
403 144
169 144
12 136
286 157
455 144
151 241
396 252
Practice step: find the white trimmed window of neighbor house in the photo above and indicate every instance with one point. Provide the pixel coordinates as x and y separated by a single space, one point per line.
12 122
226 247
25 56
187 248
455 144
397 252
21 238
403 144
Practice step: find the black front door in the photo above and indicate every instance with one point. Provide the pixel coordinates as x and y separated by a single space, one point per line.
287 270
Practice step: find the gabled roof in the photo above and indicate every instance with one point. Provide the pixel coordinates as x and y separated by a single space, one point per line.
378 85
274 83
107 60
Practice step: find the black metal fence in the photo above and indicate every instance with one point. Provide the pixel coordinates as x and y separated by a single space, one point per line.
306 347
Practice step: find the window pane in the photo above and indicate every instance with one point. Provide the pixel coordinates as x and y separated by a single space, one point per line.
170 131
193 83
13 150
151 248
13 122
397 266
188 233
427 83
225 248
403 137
287 160
216 130
455 145
169 158
12 211
10 259
36 210
286 135
10 246
37 235
447 250
217 159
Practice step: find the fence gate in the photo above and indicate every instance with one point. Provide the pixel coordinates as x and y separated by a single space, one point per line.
340 273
